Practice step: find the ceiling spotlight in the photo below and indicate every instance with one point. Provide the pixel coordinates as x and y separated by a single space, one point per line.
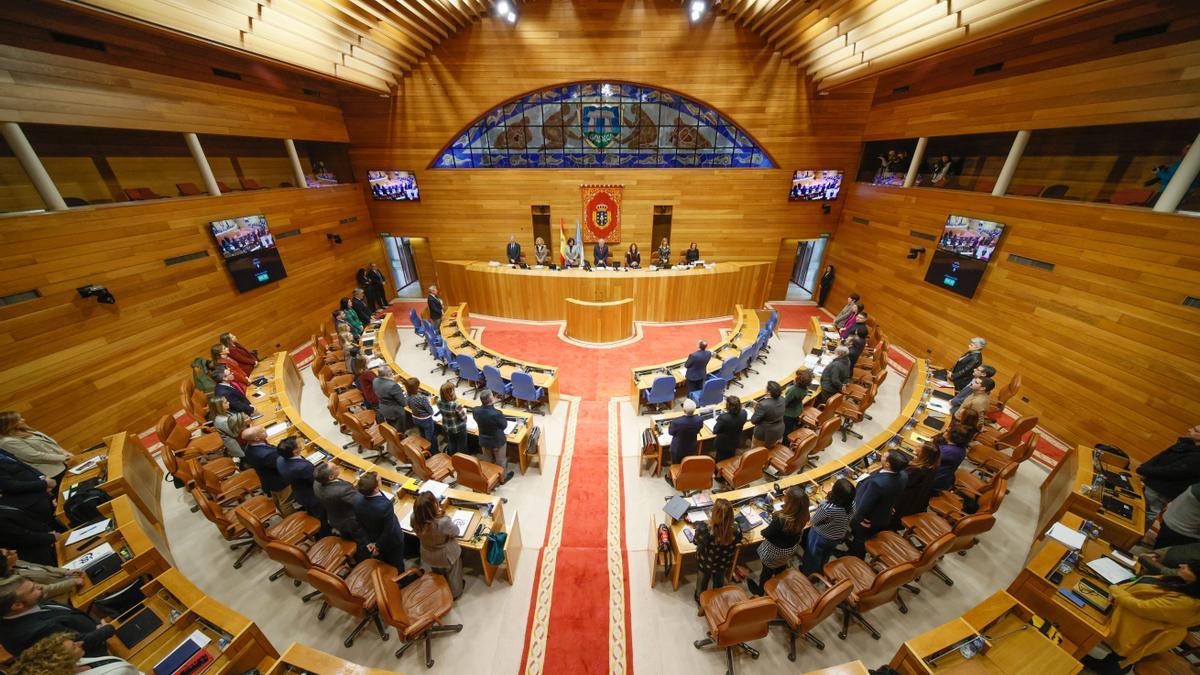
698 7
503 8
696 16
512 17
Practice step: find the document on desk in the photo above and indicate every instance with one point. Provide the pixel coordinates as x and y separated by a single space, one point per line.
102 551
510 427
375 362
664 439
81 533
88 465
1067 536
434 487
277 428
832 335
462 520
710 424
1112 572
938 406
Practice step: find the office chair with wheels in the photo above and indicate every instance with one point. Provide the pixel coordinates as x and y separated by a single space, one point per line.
416 610
354 595
368 439
231 530
803 605
661 391
712 393
296 527
853 412
694 473
435 467
991 459
734 617
444 359
524 390
495 383
330 554
476 474
222 482
744 468
787 458
1007 438
467 370
814 417
727 372
871 589
891 550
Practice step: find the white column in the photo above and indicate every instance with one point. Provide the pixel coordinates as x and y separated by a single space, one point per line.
914 166
1189 168
297 170
206 174
1010 164
33 167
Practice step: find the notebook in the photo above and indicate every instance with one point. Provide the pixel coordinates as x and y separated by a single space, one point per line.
138 628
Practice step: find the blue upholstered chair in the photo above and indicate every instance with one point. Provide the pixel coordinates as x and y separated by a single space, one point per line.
467 370
523 389
661 391
727 371
445 360
739 370
711 393
495 382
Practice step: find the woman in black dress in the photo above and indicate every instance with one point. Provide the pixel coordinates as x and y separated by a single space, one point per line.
727 431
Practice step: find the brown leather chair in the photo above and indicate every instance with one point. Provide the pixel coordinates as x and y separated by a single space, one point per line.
435 467
195 407
825 434
744 468
250 184
788 459
871 589
231 530
950 505
223 187
992 459
814 417
1008 438
733 617
891 549
293 529
852 412
857 390
340 404
180 471
693 473
475 474
416 610
803 606
1001 396
179 440
327 553
354 595
369 440
188 189
975 483
335 383
222 482
928 527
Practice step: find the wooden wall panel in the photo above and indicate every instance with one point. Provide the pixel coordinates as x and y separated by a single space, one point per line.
78 369
734 215
1151 85
52 89
1106 348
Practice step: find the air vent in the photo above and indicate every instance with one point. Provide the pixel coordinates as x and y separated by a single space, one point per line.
311 92
347 221
221 72
77 41
923 235
990 68
1140 33
900 90
285 235
1022 260
185 257
1191 301
20 297
861 221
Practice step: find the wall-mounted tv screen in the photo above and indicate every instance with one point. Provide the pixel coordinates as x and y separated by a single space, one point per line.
249 250
815 186
393 186
962 254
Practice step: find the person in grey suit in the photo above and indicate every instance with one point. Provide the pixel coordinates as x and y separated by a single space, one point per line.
768 416
836 375
847 312
874 498
339 499
392 398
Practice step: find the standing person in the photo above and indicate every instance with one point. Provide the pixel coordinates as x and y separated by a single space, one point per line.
220 359
633 257
392 399
421 409
439 541
229 425
358 302
768 416
62 654
246 358
684 431
664 253
727 431
541 252
782 536
918 483
793 400
492 439
339 499
874 499
952 452
827 278
964 369
848 311
574 257
377 516
435 307
454 418
32 446
696 367
298 472
1170 472
360 278
855 343
977 374
57 582
692 254
264 459
377 283
25 618
365 381
717 541
1181 520
829 527
346 316
513 251
980 399
836 375
600 254
25 488
853 326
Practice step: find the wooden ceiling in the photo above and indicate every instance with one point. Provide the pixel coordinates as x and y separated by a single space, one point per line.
839 41
369 43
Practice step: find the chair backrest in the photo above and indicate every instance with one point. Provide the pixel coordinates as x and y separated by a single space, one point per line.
743 360
966 530
880 376
1025 450
188 189
213 513
389 601
933 552
885 586
171 463
800 453
209 481
414 455
467 368
223 187
357 432
392 440
750 466
828 603
469 472
746 620
414 319
825 433
493 379
1023 425
832 405
171 434
335 591
661 390
696 473
293 559
728 369
256 527
991 498
713 391
1010 390
522 386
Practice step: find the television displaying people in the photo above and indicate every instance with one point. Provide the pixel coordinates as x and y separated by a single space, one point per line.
970 237
815 185
236 236
397 186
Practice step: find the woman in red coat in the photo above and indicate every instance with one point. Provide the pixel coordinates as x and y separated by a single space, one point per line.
220 357
245 358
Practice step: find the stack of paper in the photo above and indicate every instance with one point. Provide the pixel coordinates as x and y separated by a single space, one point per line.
88 465
1069 537
435 487
710 423
462 520
102 551
79 534
1112 572
510 427
277 428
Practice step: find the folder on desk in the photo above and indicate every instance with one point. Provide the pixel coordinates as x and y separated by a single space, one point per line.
103 568
189 657
138 628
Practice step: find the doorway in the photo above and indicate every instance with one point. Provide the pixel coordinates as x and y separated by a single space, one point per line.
404 268
806 269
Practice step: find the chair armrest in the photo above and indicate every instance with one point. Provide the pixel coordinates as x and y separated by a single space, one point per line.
818 578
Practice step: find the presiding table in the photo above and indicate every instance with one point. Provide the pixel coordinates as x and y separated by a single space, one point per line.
676 294
599 322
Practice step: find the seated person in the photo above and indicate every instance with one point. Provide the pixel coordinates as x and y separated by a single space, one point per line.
633 258
26 618
62 654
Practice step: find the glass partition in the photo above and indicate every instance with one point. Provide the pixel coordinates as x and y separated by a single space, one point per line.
886 162
969 162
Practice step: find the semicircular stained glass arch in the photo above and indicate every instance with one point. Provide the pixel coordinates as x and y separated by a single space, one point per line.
603 125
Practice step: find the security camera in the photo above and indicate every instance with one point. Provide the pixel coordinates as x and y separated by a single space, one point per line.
98 292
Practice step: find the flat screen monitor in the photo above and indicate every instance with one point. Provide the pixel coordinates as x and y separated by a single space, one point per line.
393 186
815 186
248 247
963 252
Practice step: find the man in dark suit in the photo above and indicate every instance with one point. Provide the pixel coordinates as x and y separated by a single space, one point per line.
339 499
26 489
696 367
377 286
392 398
684 430
600 254
226 389
25 619
513 251
264 459
874 498
298 472
435 307
836 375
964 369
378 518
359 304
492 439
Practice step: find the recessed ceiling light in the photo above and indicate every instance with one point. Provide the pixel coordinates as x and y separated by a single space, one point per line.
503 8
512 17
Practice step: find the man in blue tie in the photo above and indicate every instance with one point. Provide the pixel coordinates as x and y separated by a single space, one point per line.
696 367
514 250
600 254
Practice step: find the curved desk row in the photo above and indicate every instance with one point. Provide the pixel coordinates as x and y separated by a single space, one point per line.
599 322
121 465
659 295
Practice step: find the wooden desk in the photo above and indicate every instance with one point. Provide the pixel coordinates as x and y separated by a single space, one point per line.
1068 490
288 388
852 668
300 658
599 322
1013 645
126 468
456 331
658 295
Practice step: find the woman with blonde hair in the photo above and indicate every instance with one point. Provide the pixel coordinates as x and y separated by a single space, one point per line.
229 425
454 418
32 446
62 654
716 543
439 541
664 253
541 252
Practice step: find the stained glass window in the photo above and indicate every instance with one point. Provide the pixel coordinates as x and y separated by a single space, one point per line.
610 125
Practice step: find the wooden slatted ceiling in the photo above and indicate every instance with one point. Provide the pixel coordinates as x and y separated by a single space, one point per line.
839 41
370 43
